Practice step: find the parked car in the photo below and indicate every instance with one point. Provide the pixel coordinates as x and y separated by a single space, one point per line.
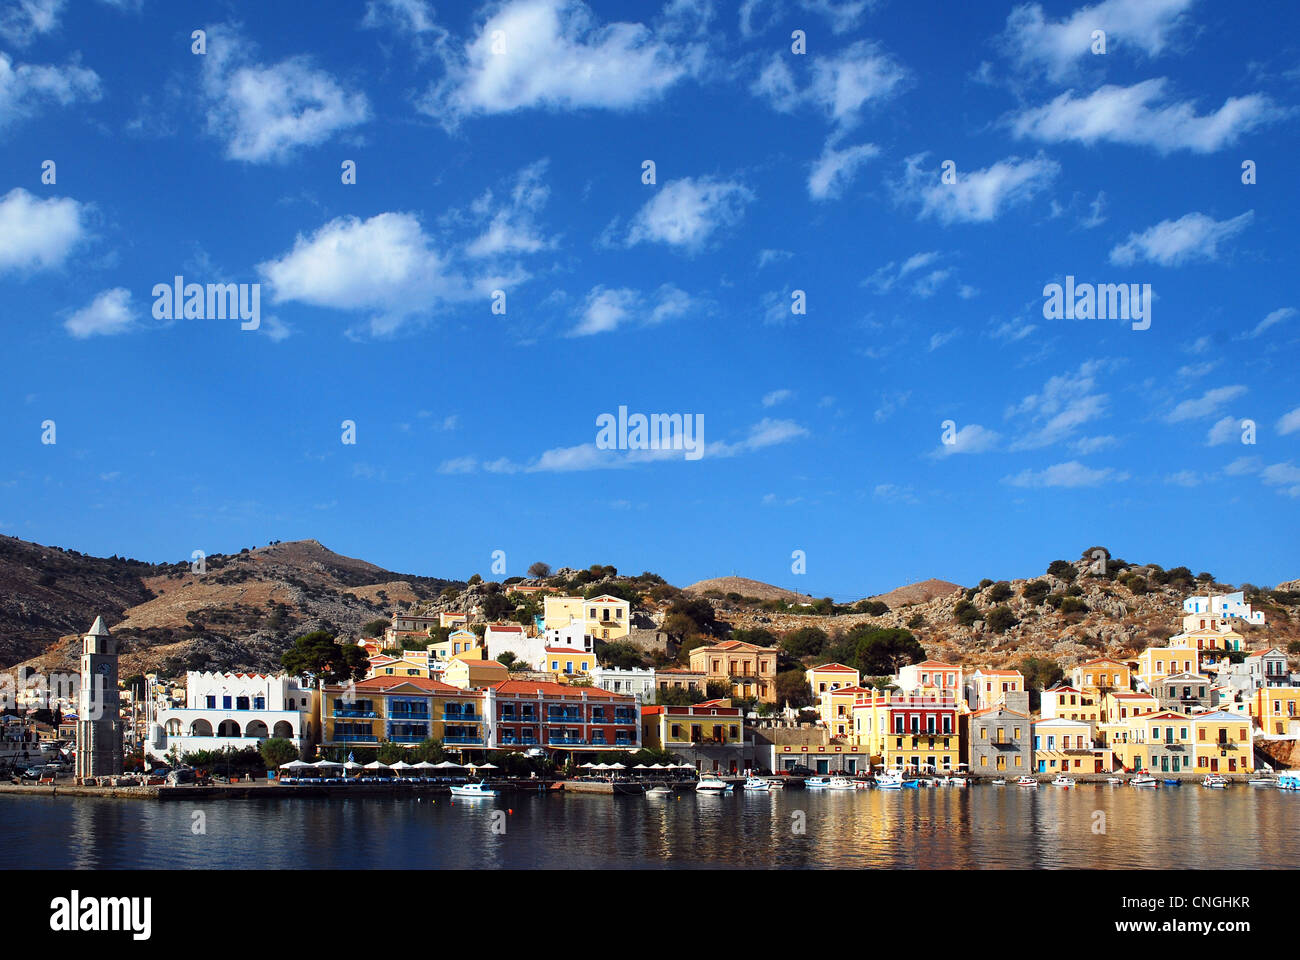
179 776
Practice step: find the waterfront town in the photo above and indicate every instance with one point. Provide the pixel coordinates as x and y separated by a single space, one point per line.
452 699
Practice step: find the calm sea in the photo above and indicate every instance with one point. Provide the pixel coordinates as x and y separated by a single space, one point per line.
980 827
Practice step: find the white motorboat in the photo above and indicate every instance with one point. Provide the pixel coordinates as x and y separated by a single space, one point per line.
958 782
757 783
1063 781
1288 781
1026 782
659 791
1262 781
1142 780
1115 780
889 781
1215 781
711 784
817 783
480 789
1000 782
840 783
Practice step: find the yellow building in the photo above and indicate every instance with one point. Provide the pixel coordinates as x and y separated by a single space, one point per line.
1070 703
401 710
1156 663
1064 746
1102 676
411 663
475 674
908 731
605 617
713 723
835 708
1160 742
453 619
831 676
993 687
458 642
749 669
567 662
1276 710
1223 743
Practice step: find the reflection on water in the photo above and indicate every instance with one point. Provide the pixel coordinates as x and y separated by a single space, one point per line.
978 827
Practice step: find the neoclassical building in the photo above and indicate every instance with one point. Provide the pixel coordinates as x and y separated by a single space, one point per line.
233 710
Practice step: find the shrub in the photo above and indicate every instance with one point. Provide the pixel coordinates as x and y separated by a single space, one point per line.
999 592
1000 619
1035 590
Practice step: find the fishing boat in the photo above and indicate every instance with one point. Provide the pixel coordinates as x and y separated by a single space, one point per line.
711 784
817 783
1171 782
1288 781
840 783
1000 782
1117 781
1216 782
479 789
1262 781
659 791
861 784
889 781
958 782
1026 782
1063 781
1142 780
757 783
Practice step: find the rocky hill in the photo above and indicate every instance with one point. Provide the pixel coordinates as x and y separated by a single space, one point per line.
239 613
746 588
921 592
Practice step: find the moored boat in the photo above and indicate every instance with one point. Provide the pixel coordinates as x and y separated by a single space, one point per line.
659 791
1063 781
840 783
1026 782
1262 781
1118 781
1288 781
757 783
1215 781
708 783
1000 782
817 783
1142 780
479 789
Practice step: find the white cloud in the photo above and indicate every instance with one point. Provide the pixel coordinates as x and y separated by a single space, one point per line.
1289 423
38 234
556 56
892 493
1224 431
26 88
765 433
835 169
1172 243
685 213
1065 403
776 397
606 309
1243 466
1277 316
1012 330
1285 475
884 279
766 257
1192 370
1185 478
927 286
109 313
937 340
971 438
1056 47
1069 474
24 20
384 265
890 403
841 84
756 16
1086 445
1141 115
512 228
978 196
690 18
1206 405
265 113
843 15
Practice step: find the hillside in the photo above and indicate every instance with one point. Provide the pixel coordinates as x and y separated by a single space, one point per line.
240 614
921 592
746 588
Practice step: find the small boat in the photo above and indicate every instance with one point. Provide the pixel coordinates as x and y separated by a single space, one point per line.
889 781
861 784
1063 781
1142 780
480 789
1119 781
1000 782
1215 781
1288 781
711 784
817 783
1263 781
958 782
659 791
757 783
840 783
1026 782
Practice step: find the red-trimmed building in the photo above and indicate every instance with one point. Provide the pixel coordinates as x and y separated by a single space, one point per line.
563 718
709 735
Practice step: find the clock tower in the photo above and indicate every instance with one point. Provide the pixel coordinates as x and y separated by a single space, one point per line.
99 721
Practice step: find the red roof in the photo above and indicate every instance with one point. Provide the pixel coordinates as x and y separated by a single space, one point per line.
547 688
567 650
834 668
379 684
505 628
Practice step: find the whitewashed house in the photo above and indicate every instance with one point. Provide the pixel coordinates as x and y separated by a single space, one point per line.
233 710
1225 605
634 680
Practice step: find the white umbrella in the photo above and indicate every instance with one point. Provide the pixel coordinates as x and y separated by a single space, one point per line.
447 765
295 765
617 766
659 766
401 765
351 765
640 766
488 766
586 766
601 766
376 765
324 763
425 765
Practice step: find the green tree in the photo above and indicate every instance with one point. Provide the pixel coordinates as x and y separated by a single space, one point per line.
792 688
539 570
678 697
1040 674
1035 590
318 655
999 592
691 615
965 613
375 628
718 690
391 753
1000 619
882 650
276 751
804 642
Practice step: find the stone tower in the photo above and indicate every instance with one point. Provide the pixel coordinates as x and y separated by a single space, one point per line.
99 722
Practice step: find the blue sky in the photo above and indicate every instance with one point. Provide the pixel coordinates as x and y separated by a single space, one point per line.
520 169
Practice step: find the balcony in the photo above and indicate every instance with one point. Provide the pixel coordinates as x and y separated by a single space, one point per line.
355 738
409 716
565 717
403 738
355 714
463 741
461 718
565 741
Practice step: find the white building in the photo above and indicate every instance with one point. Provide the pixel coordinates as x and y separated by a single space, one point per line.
636 680
572 636
1225 605
1263 668
233 710
502 638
